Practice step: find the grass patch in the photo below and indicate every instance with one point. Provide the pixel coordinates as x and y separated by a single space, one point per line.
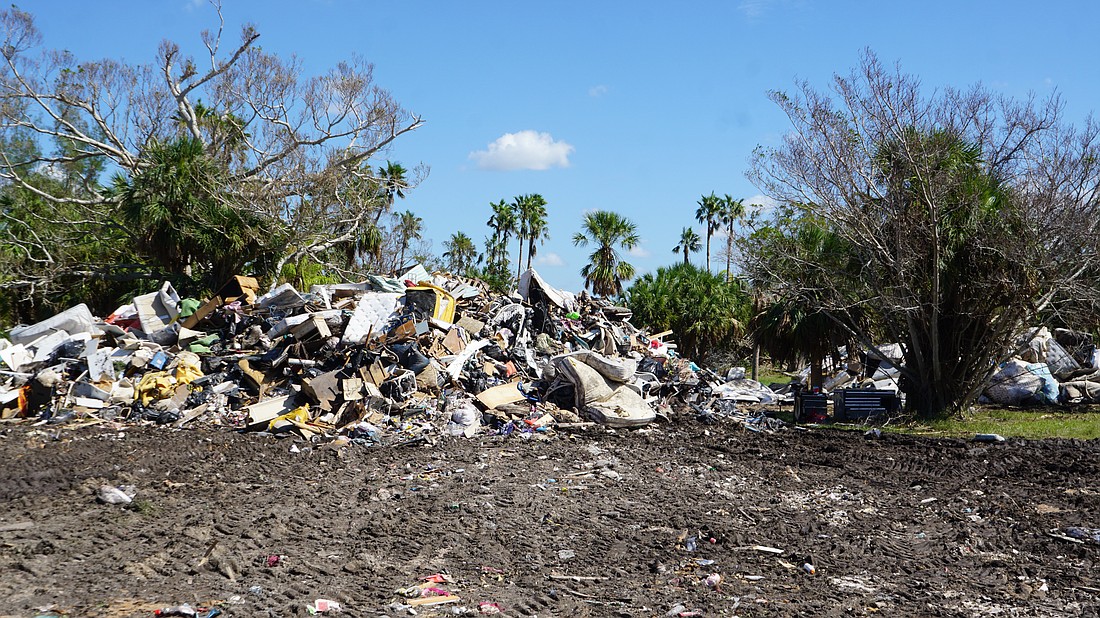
143 507
1031 424
770 375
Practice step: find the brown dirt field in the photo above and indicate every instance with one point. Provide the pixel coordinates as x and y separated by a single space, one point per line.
590 524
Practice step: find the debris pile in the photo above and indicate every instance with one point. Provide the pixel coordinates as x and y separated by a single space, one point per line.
382 362
1045 368
1048 368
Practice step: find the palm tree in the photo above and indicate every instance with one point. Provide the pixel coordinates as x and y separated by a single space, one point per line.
689 243
710 207
503 221
182 220
392 184
606 270
518 206
732 213
705 312
460 253
790 329
533 213
409 227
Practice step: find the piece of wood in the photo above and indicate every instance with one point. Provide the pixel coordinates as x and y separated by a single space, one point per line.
500 395
451 598
192 415
453 342
239 287
766 549
202 312
314 325
576 578
17 526
323 389
374 374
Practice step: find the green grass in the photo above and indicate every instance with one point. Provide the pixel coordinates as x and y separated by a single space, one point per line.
770 375
1032 424
143 506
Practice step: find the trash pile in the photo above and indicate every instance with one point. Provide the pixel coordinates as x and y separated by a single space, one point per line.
1050 368
382 362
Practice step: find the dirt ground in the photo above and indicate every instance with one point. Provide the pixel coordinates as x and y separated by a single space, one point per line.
599 523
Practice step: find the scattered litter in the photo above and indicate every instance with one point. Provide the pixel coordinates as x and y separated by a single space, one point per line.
766 549
321 606
123 494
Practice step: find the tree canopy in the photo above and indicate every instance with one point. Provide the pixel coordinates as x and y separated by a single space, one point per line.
606 269
703 310
958 218
292 154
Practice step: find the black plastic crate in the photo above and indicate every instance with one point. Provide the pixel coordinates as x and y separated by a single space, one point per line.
857 404
810 407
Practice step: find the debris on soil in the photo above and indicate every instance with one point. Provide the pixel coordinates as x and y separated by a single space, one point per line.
569 463
395 362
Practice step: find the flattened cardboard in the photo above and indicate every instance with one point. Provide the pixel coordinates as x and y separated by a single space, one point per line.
500 395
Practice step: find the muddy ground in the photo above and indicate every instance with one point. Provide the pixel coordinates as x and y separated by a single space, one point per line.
598 523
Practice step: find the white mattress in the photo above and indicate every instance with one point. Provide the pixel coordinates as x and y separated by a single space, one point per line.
372 312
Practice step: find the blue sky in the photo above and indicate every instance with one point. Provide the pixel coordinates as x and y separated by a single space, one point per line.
638 107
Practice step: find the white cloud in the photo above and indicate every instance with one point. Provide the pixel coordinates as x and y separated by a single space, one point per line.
753 8
549 259
759 203
639 252
597 91
526 150
193 5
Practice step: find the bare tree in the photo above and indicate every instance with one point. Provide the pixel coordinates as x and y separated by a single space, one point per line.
965 216
295 148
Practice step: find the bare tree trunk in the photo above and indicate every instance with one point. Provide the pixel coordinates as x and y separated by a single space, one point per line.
755 361
816 372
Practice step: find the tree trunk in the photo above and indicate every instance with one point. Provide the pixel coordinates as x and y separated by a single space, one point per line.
519 258
708 249
816 372
729 253
755 361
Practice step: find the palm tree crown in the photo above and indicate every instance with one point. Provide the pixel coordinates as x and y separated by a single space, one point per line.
460 253
391 184
732 213
503 221
532 213
409 227
710 207
689 243
606 269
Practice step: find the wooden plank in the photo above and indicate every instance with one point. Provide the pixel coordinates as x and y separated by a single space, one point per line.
192 415
202 312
